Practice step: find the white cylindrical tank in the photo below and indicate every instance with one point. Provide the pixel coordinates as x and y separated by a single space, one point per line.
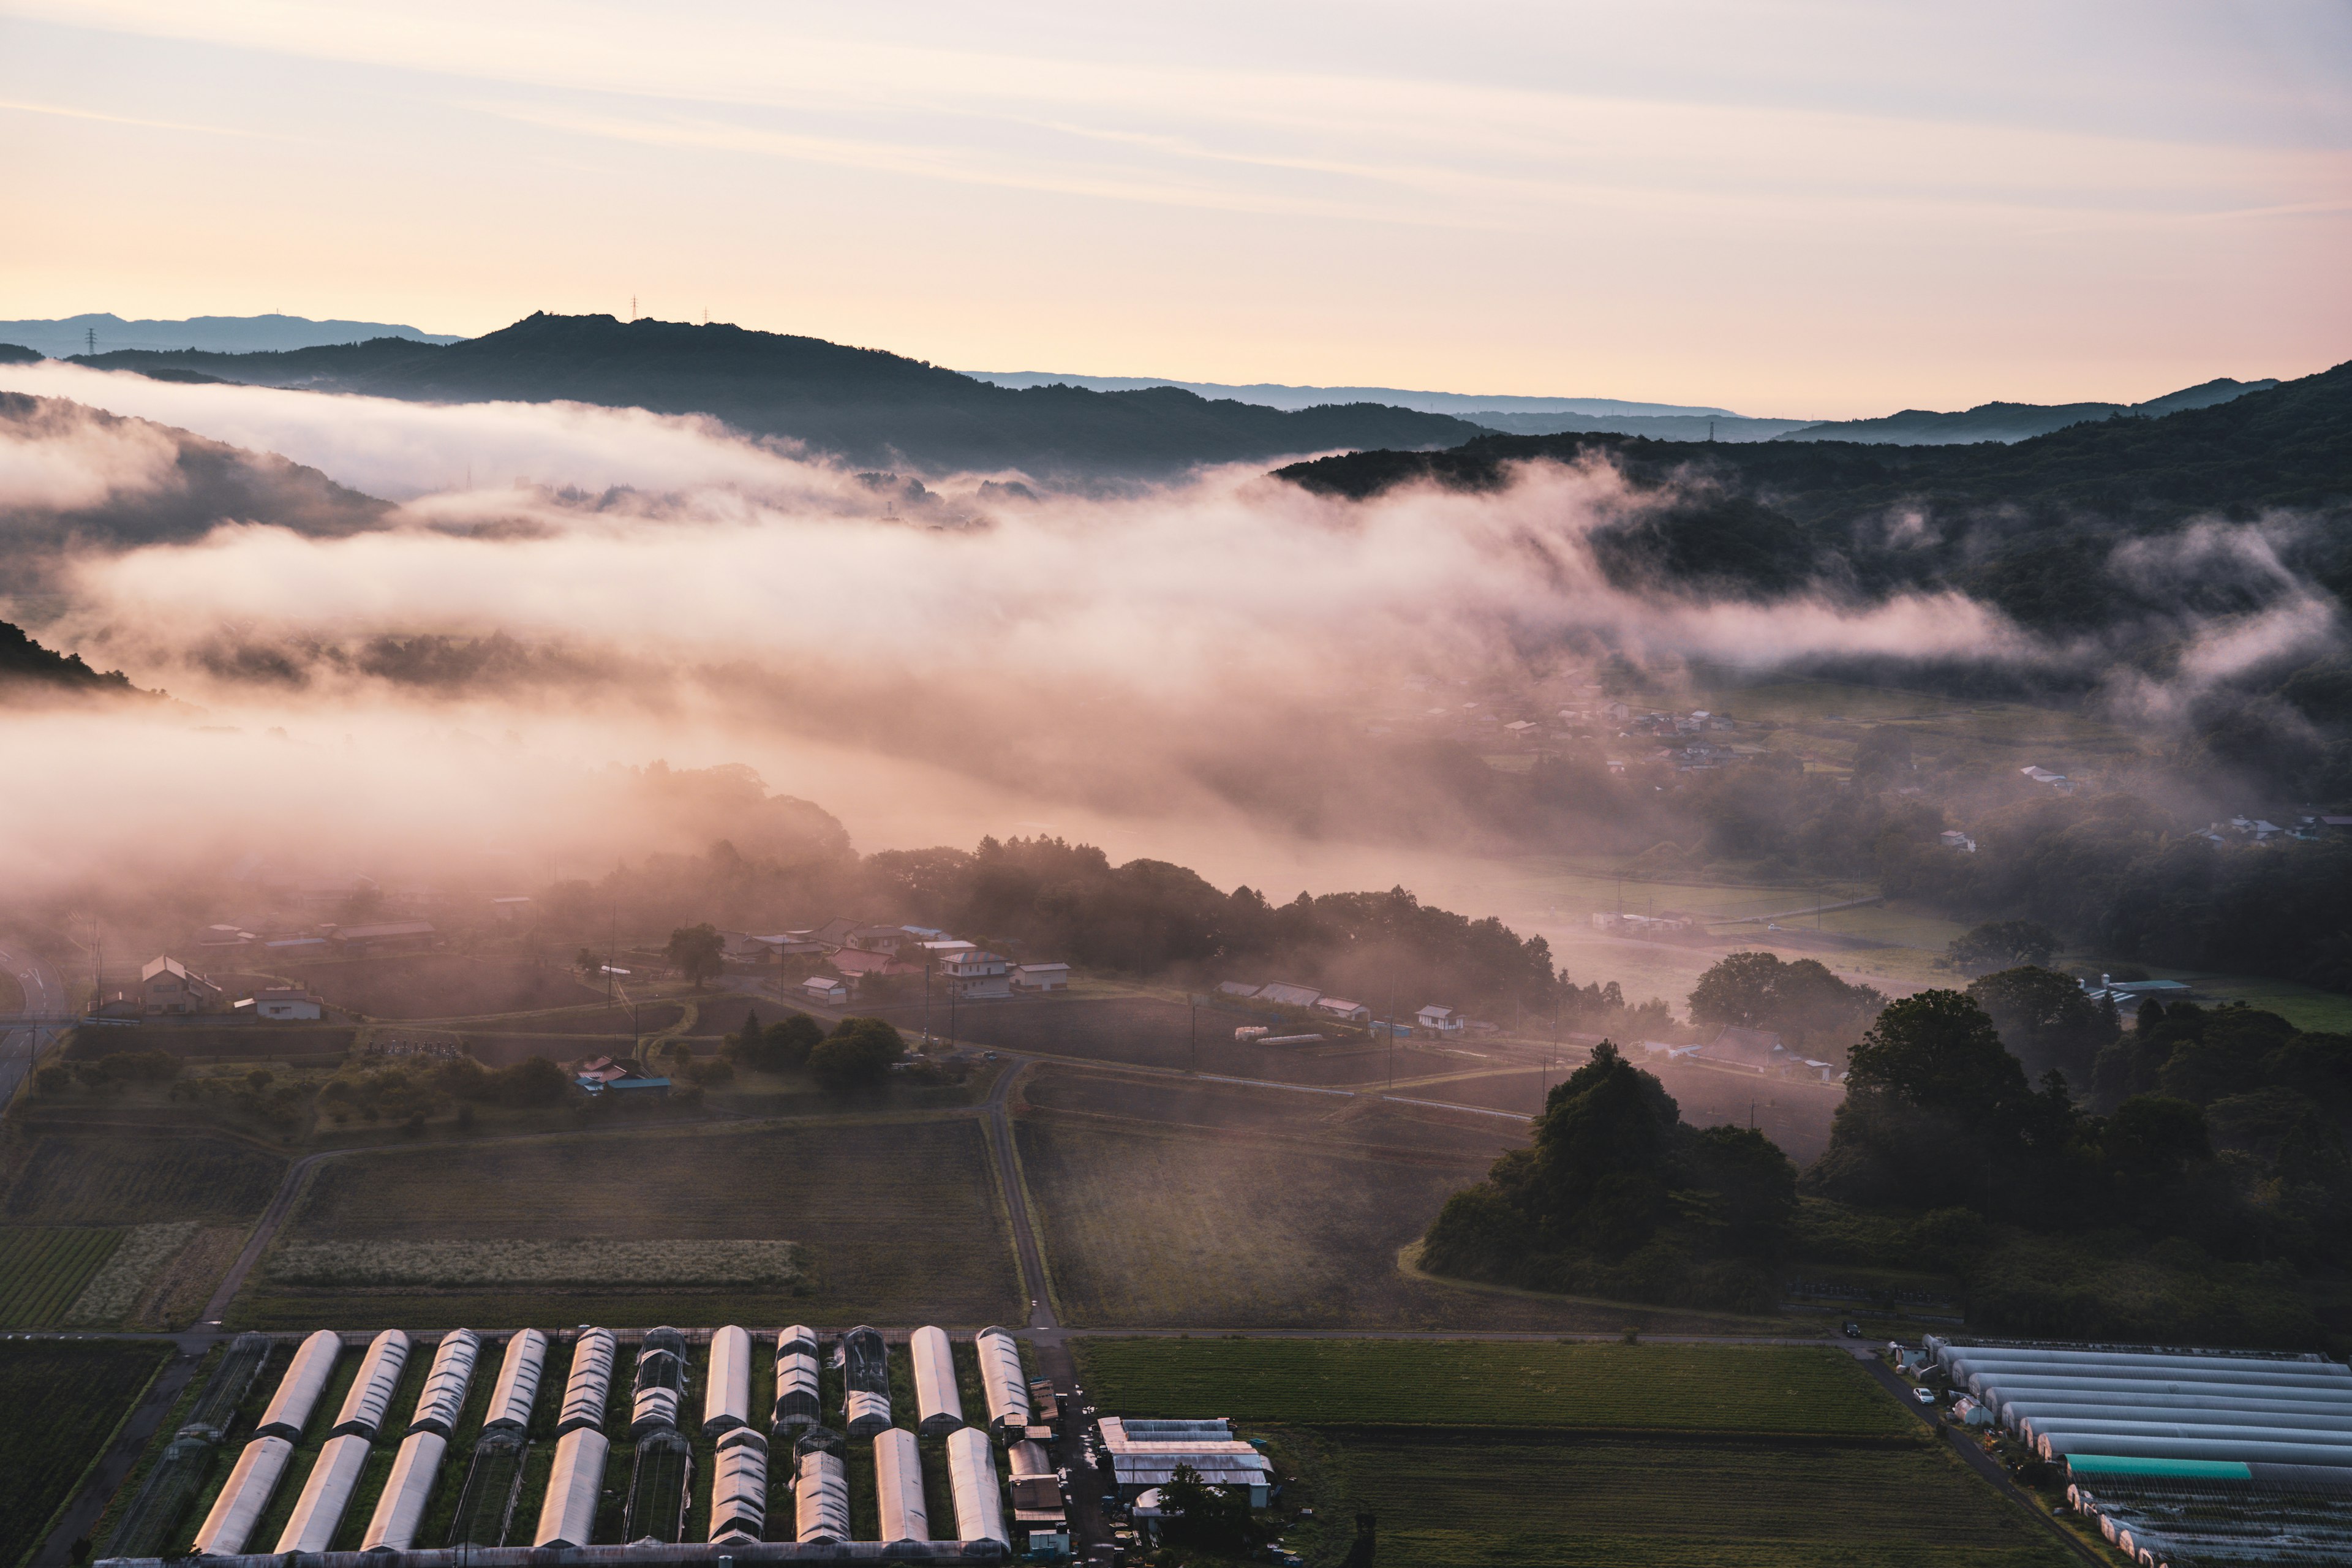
821 1498
443 1398
939 1407
590 1385
898 1482
298 1390
370 1399
738 1491
400 1512
727 1402
568 1515
325 1495
798 1402
516 1393
972 1473
1002 1378
244 1496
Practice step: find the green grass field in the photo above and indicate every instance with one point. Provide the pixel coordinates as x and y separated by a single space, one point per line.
900 1221
63 1401
132 1177
44 1268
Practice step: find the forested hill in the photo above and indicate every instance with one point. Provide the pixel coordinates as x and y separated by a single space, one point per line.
865 405
25 663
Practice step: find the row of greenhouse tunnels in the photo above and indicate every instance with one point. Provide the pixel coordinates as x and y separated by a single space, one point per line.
594 1438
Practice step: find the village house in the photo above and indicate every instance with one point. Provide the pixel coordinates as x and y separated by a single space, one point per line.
1340 1008
824 988
880 939
974 972
284 1003
1439 1020
168 988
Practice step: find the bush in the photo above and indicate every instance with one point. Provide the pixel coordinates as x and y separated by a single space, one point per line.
855 1057
782 1046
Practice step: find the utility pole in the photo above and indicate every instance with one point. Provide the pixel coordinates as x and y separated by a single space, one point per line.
1193 1029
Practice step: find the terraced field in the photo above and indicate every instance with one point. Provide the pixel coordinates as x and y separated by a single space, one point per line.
44 1268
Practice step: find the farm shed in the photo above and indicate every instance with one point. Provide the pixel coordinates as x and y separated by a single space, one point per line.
727 1403
1041 977
797 1402
444 1384
660 1486
243 1497
590 1384
1002 1379
821 1498
1037 1488
568 1515
1146 1454
400 1512
972 1474
866 1381
517 1389
937 1403
325 1495
739 1492
370 1398
298 1390
898 1483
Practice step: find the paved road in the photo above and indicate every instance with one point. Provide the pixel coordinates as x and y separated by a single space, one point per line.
45 991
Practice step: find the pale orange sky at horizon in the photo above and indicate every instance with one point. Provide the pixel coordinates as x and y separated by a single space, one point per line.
1823 210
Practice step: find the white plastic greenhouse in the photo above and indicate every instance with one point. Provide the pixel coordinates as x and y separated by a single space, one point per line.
568 1515
325 1495
821 1498
589 1385
298 1390
1002 1378
972 1475
727 1402
898 1483
370 1398
400 1510
937 1403
517 1389
244 1497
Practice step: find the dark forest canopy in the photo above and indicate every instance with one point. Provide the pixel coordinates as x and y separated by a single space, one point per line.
24 662
867 404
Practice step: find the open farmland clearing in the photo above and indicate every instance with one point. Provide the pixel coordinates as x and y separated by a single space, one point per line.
45 1268
134 1177
445 985
63 1401
1216 1108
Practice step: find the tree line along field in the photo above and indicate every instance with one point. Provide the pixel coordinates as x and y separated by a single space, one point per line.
62 1401
1652 1456
895 1221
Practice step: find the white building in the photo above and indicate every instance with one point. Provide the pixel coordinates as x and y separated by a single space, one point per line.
1042 977
1146 1454
824 988
1439 1020
975 972
284 1002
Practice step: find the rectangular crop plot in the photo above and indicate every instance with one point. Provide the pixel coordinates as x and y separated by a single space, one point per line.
899 1222
43 1269
62 1402
1778 1389
135 1177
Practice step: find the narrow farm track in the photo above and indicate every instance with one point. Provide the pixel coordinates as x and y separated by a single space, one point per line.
81 1511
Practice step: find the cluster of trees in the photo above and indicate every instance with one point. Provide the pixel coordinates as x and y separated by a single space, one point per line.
1810 1007
856 1058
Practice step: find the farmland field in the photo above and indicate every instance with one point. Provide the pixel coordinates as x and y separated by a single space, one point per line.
1230 1107
898 1221
80 1390
134 1178
1172 1229
44 1268
241 1042
441 985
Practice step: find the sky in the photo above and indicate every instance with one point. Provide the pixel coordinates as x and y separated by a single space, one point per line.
1805 210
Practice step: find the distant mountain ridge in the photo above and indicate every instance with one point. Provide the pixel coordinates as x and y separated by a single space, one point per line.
867 405
1275 394
69 335
2013 421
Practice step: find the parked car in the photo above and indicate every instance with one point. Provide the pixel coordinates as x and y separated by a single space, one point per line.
1853 1330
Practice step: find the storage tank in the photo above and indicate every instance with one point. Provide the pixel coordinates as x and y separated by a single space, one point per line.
739 1491
444 1399
821 1498
590 1385
400 1512
298 1390
516 1393
370 1399
727 1403
938 1404
325 1495
244 1495
798 1401
1002 1379
972 1474
866 1382
898 1483
568 1515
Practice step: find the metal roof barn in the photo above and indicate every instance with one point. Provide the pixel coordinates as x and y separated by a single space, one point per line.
298 1390
1002 1378
898 1483
739 1492
325 1495
443 1398
797 1400
727 1403
400 1512
972 1475
866 1381
1146 1454
590 1385
515 1392
242 1500
937 1401
567 1517
821 1498
370 1398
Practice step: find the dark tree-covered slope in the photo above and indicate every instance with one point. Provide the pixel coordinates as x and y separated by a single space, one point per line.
865 405
25 662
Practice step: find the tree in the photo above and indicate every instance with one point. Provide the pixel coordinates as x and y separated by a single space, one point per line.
782 1046
2001 945
1802 1000
2047 1021
1209 1519
1750 1187
699 952
1596 1175
585 962
857 1056
2152 1140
